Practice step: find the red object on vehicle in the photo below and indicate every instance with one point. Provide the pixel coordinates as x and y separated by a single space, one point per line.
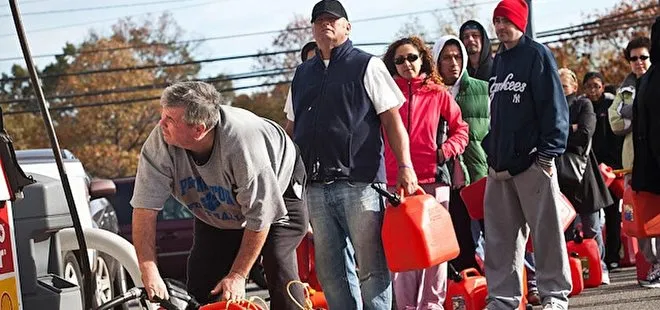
606 172
417 233
469 293
589 255
576 274
473 197
642 266
566 215
233 305
629 249
640 215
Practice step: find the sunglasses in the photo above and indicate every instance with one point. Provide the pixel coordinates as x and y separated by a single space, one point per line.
635 58
401 59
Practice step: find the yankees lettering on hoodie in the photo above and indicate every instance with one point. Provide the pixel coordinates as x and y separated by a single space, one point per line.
529 113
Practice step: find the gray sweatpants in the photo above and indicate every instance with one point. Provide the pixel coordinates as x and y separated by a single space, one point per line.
513 206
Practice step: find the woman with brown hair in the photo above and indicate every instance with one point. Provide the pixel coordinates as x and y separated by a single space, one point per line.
437 134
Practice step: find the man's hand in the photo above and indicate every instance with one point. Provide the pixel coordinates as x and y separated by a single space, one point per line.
407 179
232 287
153 283
574 127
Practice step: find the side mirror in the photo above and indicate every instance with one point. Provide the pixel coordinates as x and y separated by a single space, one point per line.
101 188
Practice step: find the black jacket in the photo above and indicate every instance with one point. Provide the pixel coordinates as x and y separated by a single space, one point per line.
646 123
592 194
483 72
606 145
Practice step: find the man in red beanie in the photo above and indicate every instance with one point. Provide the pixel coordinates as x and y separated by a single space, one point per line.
529 128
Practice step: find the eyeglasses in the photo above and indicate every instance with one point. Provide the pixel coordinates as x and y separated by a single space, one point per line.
635 58
401 59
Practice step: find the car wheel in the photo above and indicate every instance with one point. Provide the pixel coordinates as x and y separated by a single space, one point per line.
72 273
103 278
258 275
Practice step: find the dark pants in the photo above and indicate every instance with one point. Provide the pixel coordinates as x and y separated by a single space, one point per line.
214 251
613 228
463 229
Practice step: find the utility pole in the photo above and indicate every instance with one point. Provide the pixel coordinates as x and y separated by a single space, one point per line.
530 21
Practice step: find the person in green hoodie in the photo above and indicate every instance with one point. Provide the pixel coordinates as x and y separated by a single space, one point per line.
471 94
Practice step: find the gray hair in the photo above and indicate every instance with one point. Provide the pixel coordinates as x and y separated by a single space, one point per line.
200 100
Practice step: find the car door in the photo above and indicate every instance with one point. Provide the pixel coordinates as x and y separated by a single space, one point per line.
174 238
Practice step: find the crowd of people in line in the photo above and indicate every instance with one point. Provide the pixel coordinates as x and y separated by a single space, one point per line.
438 118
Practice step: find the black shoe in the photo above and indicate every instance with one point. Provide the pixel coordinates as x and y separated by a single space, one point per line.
613 266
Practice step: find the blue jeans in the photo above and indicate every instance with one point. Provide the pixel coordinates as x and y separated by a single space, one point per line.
591 229
347 217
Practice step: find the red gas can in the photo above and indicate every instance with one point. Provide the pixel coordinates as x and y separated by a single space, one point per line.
232 305
642 267
576 273
629 249
589 255
606 172
640 215
306 268
417 232
467 291
473 197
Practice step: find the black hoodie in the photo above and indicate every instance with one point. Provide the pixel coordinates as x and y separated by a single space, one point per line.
646 127
486 59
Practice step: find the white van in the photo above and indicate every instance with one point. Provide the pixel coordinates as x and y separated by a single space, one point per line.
109 278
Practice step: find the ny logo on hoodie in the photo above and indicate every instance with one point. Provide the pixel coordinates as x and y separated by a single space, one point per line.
509 85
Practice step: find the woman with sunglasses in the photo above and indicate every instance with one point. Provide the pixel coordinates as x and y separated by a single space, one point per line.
621 116
427 109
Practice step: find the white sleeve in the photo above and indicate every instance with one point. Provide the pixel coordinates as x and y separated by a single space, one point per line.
288 107
381 88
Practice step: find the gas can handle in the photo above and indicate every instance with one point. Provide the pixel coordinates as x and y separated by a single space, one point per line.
418 191
470 272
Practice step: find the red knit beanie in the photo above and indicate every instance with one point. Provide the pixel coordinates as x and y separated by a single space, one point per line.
515 11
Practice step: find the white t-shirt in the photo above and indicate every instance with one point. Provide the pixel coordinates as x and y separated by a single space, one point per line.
380 87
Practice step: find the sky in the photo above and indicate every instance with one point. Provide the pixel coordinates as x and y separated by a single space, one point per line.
48 31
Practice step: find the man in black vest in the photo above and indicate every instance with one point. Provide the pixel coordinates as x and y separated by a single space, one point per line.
340 100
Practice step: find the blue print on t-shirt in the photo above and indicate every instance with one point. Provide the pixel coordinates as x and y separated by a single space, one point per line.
210 196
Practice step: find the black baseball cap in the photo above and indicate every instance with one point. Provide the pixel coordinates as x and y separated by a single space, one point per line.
333 7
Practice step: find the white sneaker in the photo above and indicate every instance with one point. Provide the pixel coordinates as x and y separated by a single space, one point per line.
606 278
653 277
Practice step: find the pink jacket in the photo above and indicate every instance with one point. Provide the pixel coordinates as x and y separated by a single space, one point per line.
421 114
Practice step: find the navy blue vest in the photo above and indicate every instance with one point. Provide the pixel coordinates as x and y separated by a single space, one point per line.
336 125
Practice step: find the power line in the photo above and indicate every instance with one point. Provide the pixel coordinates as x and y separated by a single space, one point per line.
25 2
11 34
96 8
259 33
130 101
156 86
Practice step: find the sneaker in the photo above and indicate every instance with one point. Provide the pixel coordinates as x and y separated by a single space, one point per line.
653 277
606 278
553 306
613 266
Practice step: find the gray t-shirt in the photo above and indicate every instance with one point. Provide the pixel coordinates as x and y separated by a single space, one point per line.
240 186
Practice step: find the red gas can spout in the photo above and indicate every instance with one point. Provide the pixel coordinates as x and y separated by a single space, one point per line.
454 275
393 198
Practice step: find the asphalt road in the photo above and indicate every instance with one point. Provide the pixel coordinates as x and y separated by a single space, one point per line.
622 293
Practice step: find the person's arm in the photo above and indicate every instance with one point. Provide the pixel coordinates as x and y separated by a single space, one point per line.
458 135
144 240
400 145
290 116
387 98
586 126
551 110
152 188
